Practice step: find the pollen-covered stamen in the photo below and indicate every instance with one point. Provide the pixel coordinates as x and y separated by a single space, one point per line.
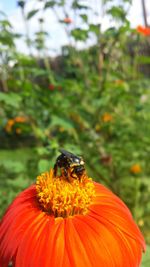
62 198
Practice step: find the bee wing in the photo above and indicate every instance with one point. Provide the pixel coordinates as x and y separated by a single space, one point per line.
69 155
66 153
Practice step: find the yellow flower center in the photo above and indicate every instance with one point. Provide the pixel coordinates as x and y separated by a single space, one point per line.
61 198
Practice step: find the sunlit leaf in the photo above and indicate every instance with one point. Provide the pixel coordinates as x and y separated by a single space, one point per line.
80 34
84 17
5 23
11 99
143 59
49 4
77 5
117 12
43 165
32 13
55 120
95 28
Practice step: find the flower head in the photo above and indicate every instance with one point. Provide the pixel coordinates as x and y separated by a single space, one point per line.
18 131
11 122
20 119
67 20
9 125
143 30
51 87
136 168
107 117
119 82
57 222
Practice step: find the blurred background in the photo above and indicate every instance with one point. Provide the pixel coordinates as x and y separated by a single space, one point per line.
75 74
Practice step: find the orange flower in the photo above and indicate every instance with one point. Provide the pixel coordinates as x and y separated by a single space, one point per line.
9 125
107 117
69 224
67 20
135 169
11 122
20 119
119 82
143 30
18 130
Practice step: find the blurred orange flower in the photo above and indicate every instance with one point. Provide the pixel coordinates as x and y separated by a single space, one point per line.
18 130
9 125
20 119
67 20
143 30
69 224
107 117
119 82
11 122
135 169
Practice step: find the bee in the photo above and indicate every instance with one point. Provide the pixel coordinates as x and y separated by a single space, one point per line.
71 166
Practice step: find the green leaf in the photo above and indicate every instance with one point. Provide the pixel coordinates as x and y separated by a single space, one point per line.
84 17
117 12
58 121
5 23
143 59
11 99
80 34
14 166
43 165
19 182
49 4
6 38
128 1
76 5
111 32
61 3
32 13
95 28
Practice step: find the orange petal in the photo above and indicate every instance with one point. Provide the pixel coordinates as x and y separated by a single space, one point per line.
37 251
124 250
15 222
54 252
28 241
92 241
109 207
75 248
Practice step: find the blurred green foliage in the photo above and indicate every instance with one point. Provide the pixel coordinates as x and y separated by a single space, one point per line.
93 102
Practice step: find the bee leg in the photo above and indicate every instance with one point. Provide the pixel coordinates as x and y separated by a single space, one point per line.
64 173
73 174
55 169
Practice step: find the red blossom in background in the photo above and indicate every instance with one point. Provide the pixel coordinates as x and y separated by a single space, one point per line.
67 20
143 30
51 87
